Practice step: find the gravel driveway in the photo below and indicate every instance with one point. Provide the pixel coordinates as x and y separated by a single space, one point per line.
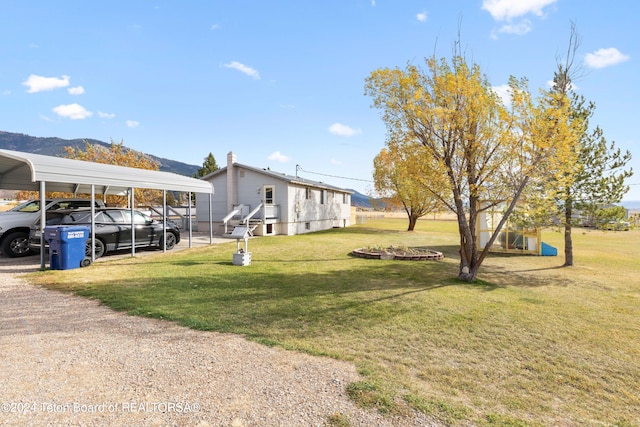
67 360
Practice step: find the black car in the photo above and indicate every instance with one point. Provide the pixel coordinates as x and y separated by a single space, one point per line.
113 229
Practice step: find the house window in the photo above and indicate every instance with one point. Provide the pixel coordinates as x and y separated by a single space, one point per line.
269 228
268 195
307 193
307 226
345 198
322 196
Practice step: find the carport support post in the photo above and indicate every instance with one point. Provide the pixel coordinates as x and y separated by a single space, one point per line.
164 220
133 223
189 222
43 222
93 223
210 218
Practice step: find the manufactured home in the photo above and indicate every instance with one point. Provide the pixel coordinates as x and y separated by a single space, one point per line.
270 203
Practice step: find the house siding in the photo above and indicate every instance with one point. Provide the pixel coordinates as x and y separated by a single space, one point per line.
297 214
317 213
218 205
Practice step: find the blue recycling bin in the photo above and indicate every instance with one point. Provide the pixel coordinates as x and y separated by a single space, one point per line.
67 245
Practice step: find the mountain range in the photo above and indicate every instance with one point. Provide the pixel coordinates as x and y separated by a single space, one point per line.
55 147
52 146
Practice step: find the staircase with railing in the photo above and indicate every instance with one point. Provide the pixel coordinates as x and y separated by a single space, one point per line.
243 215
238 217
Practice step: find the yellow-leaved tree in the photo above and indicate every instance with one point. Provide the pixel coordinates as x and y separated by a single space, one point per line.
401 175
116 154
483 152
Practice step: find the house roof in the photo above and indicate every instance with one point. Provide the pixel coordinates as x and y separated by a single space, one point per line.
25 171
281 176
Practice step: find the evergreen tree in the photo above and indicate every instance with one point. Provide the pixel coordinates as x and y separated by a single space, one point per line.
209 165
598 178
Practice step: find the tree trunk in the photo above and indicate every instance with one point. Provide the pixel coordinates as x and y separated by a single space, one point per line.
469 263
568 242
468 267
413 219
467 275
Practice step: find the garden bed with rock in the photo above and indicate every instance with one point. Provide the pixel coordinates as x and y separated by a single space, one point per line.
399 253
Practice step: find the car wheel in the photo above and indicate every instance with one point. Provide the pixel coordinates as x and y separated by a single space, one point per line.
16 245
171 241
99 248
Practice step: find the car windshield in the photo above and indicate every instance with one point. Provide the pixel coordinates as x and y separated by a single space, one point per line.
30 206
34 205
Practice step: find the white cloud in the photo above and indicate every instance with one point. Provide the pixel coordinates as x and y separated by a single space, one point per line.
504 92
132 124
505 10
336 162
6 92
106 115
422 16
78 90
279 157
72 111
37 83
343 130
605 57
243 69
215 26
520 28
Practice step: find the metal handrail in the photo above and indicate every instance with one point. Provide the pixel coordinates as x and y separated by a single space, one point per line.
251 214
170 210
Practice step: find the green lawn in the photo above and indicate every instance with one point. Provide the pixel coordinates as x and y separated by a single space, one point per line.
529 344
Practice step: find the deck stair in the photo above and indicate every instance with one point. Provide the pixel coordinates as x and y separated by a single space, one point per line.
235 219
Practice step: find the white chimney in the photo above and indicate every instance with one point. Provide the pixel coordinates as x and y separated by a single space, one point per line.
232 193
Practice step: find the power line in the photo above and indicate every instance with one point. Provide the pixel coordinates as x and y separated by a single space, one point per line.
299 168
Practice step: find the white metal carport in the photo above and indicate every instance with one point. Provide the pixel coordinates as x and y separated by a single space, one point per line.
36 172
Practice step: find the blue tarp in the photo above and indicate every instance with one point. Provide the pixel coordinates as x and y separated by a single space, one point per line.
548 250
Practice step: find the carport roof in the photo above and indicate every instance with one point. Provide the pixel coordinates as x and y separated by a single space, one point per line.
25 171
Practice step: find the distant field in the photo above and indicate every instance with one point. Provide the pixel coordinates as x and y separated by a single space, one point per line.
530 343
6 205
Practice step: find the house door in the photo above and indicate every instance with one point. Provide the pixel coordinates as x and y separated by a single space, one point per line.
270 208
268 195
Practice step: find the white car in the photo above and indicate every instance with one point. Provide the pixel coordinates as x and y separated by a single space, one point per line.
15 223
618 225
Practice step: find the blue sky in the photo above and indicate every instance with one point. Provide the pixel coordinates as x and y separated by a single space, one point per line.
281 83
